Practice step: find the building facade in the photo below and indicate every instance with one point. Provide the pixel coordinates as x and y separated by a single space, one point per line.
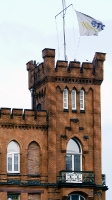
53 151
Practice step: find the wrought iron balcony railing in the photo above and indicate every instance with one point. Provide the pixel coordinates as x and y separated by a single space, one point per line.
76 177
103 179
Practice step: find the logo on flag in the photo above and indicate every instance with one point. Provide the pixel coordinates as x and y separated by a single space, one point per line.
88 25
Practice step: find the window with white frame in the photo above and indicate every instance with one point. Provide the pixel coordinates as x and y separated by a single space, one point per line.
65 98
73 96
75 197
81 99
13 157
73 156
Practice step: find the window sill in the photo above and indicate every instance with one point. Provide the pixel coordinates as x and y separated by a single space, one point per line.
82 111
74 111
34 175
65 110
13 174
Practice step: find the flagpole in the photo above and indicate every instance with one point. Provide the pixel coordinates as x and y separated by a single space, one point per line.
63 11
63 3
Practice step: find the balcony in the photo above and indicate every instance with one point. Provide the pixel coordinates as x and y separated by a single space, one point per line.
84 177
76 177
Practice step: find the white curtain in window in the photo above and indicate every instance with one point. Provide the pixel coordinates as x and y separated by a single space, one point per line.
81 99
73 99
65 99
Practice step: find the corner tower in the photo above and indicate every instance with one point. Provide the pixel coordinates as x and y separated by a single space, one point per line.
70 94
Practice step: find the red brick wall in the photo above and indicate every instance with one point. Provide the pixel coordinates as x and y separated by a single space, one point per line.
33 197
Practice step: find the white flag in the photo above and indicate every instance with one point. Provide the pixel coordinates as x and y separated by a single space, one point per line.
88 25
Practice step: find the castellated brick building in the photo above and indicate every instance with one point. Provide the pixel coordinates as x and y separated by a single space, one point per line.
53 151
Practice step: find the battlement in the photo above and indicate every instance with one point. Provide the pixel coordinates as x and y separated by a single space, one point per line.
73 69
20 116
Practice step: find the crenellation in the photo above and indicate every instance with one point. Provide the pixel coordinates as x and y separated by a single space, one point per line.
49 61
30 65
98 60
39 72
17 112
100 56
74 64
21 116
87 70
48 53
87 65
61 63
28 113
46 70
40 67
5 113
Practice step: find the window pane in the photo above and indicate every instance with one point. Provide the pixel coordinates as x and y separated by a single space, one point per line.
39 107
81 198
13 147
81 105
65 98
13 196
75 197
15 162
73 99
81 99
81 92
69 162
9 162
76 162
73 147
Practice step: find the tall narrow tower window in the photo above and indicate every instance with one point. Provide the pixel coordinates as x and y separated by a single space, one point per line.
65 99
73 96
81 99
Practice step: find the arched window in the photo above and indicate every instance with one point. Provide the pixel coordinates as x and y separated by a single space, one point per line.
75 197
73 96
13 157
65 98
81 99
39 107
33 162
73 161
73 156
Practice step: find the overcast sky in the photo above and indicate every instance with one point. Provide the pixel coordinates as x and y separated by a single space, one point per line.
29 26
